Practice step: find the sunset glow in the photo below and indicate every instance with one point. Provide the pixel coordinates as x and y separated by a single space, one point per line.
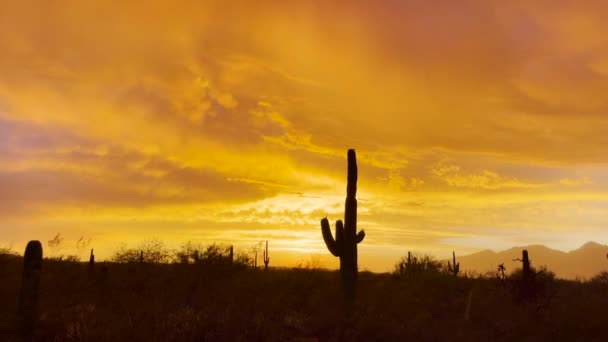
477 124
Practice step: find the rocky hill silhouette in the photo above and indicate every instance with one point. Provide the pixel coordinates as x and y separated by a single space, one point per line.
582 263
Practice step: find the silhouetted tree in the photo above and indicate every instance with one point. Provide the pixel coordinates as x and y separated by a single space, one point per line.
413 265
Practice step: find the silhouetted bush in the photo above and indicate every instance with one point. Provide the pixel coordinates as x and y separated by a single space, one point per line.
153 251
413 265
189 253
539 287
600 280
213 255
8 252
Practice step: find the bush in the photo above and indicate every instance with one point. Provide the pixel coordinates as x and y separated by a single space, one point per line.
600 280
8 252
153 250
418 265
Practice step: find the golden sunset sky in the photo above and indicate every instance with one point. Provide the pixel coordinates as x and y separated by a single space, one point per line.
477 124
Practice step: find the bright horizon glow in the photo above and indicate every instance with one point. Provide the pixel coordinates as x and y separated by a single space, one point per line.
478 124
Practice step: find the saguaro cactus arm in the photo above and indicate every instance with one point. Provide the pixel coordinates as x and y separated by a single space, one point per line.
331 244
360 236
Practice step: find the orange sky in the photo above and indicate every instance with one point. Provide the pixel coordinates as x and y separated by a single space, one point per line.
478 124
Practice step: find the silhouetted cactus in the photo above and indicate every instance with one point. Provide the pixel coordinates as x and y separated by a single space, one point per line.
28 298
266 257
345 243
231 255
404 268
527 274
525 270
91 268
454 267
255 260
92 260
141 257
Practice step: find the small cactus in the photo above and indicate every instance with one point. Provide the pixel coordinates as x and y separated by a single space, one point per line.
344 244
92 260
91 264
454 267
255 261
266 257
231 255
141 257
28 298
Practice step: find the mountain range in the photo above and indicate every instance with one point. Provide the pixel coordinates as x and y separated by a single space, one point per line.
582 263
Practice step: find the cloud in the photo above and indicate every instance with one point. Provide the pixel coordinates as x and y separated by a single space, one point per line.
485 179
469 116
575 182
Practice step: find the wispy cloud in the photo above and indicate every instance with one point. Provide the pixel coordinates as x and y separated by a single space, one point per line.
213 118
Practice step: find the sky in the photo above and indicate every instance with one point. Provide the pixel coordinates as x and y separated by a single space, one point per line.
477 124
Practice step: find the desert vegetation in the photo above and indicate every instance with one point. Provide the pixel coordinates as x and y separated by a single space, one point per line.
210 292
210 298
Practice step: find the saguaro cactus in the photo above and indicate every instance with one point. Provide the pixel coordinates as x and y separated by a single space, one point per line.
28 298
345 243
255 260
141 257
454 267
91 269
92 260
527 281
525 270
266 257
231 254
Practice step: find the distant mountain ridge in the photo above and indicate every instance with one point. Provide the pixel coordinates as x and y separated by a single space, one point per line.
583 263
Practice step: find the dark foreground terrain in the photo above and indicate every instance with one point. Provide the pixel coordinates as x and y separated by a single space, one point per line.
175 302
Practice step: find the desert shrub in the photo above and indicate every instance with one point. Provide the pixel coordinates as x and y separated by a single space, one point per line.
126 255
210 255
600 280
414 265
243 260
55 245
215 255
8 252
539 288
154 251
71 258
189 253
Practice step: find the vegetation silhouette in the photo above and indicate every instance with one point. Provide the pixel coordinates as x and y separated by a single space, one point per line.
197 293
454 267
213 293
266 257
30 284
